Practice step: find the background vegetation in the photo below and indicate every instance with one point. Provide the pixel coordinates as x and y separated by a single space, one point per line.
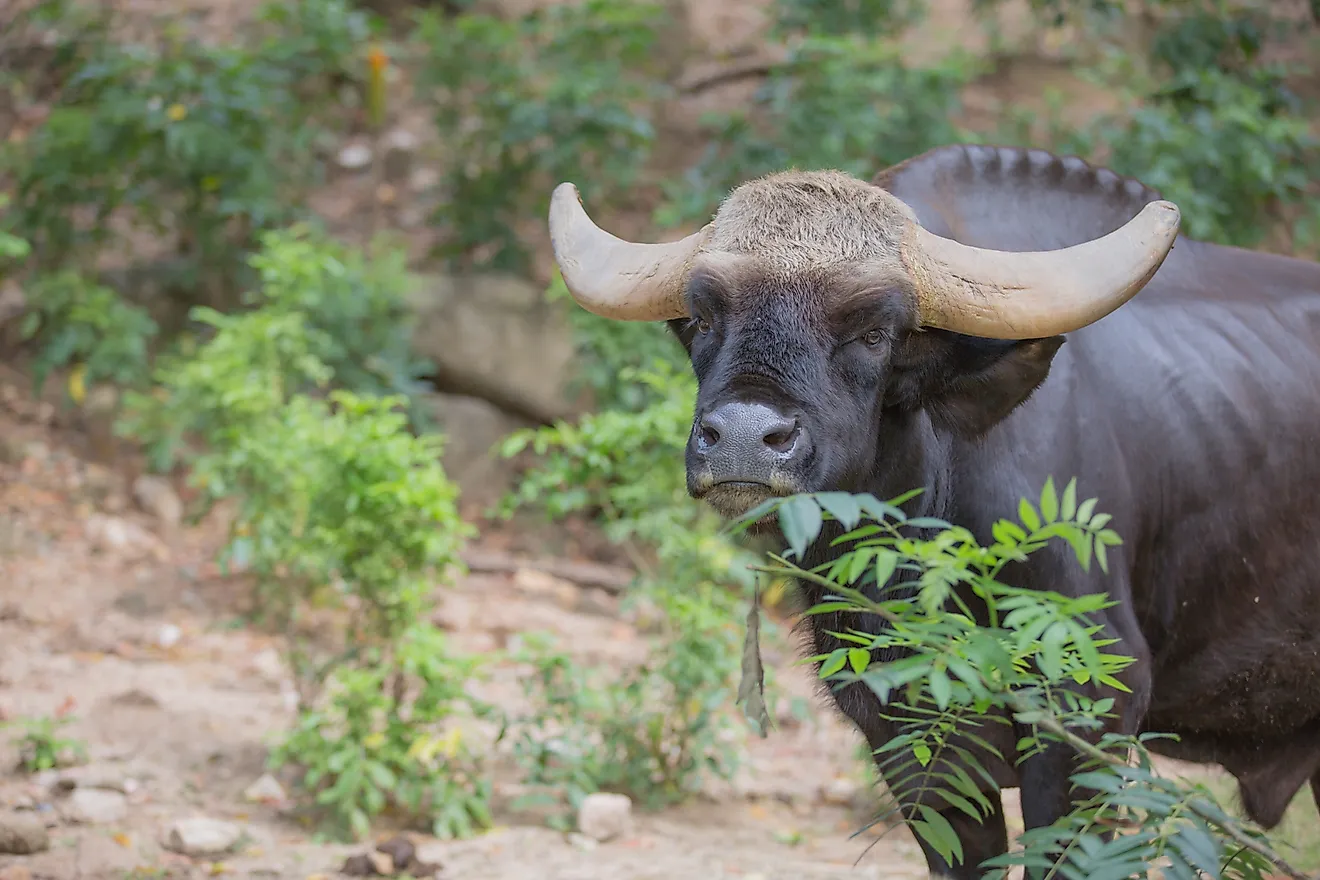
271 362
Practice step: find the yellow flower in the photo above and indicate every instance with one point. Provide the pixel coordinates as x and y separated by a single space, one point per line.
77 383
177 112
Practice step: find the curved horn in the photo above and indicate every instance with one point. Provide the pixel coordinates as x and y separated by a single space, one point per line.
614 278
1008 295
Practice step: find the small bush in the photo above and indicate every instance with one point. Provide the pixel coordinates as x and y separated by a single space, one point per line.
40 746
74 322
367 749
561 94
655 732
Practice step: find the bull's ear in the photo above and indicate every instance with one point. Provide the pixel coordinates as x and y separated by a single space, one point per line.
967 384
684 329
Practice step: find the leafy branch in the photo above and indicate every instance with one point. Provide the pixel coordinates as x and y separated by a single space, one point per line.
923 621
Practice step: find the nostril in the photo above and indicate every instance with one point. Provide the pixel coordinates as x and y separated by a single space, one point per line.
709 436
782 440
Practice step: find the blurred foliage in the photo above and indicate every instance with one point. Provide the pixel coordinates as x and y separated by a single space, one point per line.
559 94
656 731
201 145
73 322
41 746
325 316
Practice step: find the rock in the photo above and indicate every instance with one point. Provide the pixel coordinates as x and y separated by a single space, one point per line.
269 666
168 635
136 697
604 816
266 789
400 147
354 157
12 302
22 835
423 179
15 872
358 866
382 863
839 792
109 779
494 336
400 849
473 428
112 534
564 593
201 836
582 841
157 497
96 806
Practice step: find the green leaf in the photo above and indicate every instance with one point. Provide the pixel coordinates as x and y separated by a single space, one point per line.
842 506
858 658
941 689
939 834
886 561
1049 501
1068 507
835 662
922 753
1027 514
800 521
1084 511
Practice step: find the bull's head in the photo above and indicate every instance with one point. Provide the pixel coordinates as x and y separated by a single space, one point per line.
817 311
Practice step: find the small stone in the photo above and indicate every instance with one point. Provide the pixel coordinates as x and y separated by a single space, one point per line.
603 816
563 592
839 792
354 157
400 146
266 789
96 806
111 534
157 497
22 835
168 635
201 836
582 841
400 849
381 863
358 866
269 666
423 179
136 697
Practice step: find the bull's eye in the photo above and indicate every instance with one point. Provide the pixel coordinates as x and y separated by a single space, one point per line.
874 338
703 326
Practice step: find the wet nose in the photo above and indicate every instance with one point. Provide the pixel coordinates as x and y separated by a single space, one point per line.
751 437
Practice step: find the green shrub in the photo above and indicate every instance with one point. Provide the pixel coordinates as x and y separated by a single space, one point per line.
204 145
560 94
40 746
366 750
842 102
356 301
74 322
656 731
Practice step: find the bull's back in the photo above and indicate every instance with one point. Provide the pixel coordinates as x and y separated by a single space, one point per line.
1201 402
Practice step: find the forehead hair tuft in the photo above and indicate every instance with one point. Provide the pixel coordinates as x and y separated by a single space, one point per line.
800 221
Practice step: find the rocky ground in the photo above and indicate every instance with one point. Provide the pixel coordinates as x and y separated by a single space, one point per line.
118 617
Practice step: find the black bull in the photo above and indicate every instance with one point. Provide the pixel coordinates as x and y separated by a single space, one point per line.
1192 412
